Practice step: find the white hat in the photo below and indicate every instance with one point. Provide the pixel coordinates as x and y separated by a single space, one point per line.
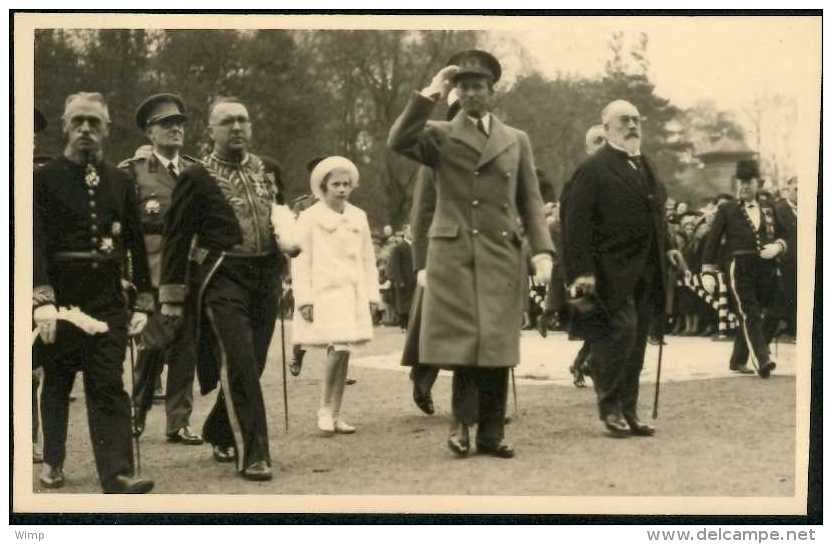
323 168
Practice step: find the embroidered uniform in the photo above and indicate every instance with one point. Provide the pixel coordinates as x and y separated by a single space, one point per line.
234 270
753 281
86 229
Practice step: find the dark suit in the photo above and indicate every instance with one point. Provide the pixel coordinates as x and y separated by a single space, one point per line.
753 281
615 230
86 229
403 278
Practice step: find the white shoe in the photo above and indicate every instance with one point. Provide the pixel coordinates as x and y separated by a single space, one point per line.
326 423
343 428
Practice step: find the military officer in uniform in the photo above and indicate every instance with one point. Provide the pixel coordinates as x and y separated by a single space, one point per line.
616 246
754 238
235 270
487 200
162 118
86 228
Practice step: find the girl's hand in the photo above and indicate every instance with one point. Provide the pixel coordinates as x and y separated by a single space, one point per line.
306 312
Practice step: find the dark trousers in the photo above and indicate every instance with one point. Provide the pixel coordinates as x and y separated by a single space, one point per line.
479 397
35 409
753 282
101 359
618 357
423 376
240 304
179 393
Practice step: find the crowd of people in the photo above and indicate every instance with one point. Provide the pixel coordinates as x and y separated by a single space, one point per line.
190 261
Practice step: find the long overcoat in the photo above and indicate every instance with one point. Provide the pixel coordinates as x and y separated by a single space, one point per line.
487 199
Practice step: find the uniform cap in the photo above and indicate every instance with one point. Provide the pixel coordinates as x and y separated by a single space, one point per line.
476 62
158 107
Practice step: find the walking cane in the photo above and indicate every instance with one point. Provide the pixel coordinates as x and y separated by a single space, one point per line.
283 355
658 378
514 392
136 438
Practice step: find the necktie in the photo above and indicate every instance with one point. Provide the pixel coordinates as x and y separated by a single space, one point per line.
172 170
481 127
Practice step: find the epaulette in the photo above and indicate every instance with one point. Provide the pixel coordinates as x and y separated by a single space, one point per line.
127 162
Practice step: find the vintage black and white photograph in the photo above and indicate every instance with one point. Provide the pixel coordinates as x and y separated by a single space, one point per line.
398 263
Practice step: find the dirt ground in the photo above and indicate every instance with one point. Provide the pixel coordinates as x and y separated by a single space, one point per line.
716 437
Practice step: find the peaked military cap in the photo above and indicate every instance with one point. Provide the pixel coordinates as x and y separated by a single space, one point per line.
40 121
747 169
158 107
476 62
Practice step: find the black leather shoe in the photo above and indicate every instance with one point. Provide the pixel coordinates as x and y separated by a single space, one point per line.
637 428
185 436
616 426
126 484
501 450
742 369
424 402
258 471
542 326
351 381
765 370
51 477
459 442
224 454
297 361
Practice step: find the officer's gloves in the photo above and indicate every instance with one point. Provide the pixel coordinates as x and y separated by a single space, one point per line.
542 263
46 318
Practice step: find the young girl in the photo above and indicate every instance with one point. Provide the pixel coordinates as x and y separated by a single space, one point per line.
335 281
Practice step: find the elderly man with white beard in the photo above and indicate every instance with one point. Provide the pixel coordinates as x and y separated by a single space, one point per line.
615 249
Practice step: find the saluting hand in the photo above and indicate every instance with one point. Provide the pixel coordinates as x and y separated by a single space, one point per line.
442 82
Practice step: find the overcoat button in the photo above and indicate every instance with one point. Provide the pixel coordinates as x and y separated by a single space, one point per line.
475 232
475 203
476 172
94 228
504 233
92 203
95 265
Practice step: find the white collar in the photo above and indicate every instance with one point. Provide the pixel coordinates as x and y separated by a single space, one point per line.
486 121
629 154
166 162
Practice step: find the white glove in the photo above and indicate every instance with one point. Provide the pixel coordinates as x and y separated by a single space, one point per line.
709 283
441 83
542 264
285 229
422 278
137 323
46 318
771 251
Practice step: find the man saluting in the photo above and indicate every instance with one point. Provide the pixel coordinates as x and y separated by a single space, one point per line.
487 199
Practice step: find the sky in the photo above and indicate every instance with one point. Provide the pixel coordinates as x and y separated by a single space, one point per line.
727 60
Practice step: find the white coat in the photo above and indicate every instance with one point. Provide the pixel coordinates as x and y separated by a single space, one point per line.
335 273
